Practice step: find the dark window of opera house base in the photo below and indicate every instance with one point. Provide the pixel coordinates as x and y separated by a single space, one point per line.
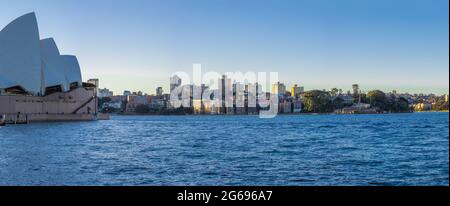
73 85
16 90
53 89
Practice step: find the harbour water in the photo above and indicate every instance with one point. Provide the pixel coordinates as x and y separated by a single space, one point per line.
390 149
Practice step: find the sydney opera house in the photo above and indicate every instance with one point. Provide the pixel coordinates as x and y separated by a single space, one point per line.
37 83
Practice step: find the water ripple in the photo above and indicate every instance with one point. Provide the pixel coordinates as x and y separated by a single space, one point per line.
391 149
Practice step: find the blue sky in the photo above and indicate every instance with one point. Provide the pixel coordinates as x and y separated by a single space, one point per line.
138 44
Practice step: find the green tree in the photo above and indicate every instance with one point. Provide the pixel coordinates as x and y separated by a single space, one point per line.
441 105
378 99
338 103
317 101
334 92
400 105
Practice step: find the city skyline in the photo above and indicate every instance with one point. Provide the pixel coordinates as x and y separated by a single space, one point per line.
166 88
138 45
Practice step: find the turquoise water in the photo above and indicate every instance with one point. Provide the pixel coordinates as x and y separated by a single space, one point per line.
391 149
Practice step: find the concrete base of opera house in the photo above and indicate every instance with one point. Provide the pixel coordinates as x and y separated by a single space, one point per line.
77 105
29 118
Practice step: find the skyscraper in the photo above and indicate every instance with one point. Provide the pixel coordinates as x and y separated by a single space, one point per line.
159 91
355 89
126 93
296 90
278 88
225 94
175 81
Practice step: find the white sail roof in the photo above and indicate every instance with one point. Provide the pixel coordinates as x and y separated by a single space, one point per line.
34 64
20 60
73 71
53 65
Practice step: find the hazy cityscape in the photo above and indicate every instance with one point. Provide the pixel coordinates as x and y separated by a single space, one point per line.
293 100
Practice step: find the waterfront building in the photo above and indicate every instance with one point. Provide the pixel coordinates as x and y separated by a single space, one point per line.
358 108
424 106
37 83
113 104
54 78
138 93
175 81
159 91
225 95
197 106
104 93
347 99
196 95
95 82
134 101
279 88
158 102
215 107
239 97
296 90
207 107
118 98
280 107
355 88
126 93
287 107
33 66
203 90
184 96
296 106
252 92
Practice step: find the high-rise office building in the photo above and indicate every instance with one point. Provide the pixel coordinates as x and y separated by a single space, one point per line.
126 93
105 93
225 94
159 91
296 90
355 88
175 81
278 88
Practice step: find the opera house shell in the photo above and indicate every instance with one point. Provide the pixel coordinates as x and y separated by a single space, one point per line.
33 65
35 79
